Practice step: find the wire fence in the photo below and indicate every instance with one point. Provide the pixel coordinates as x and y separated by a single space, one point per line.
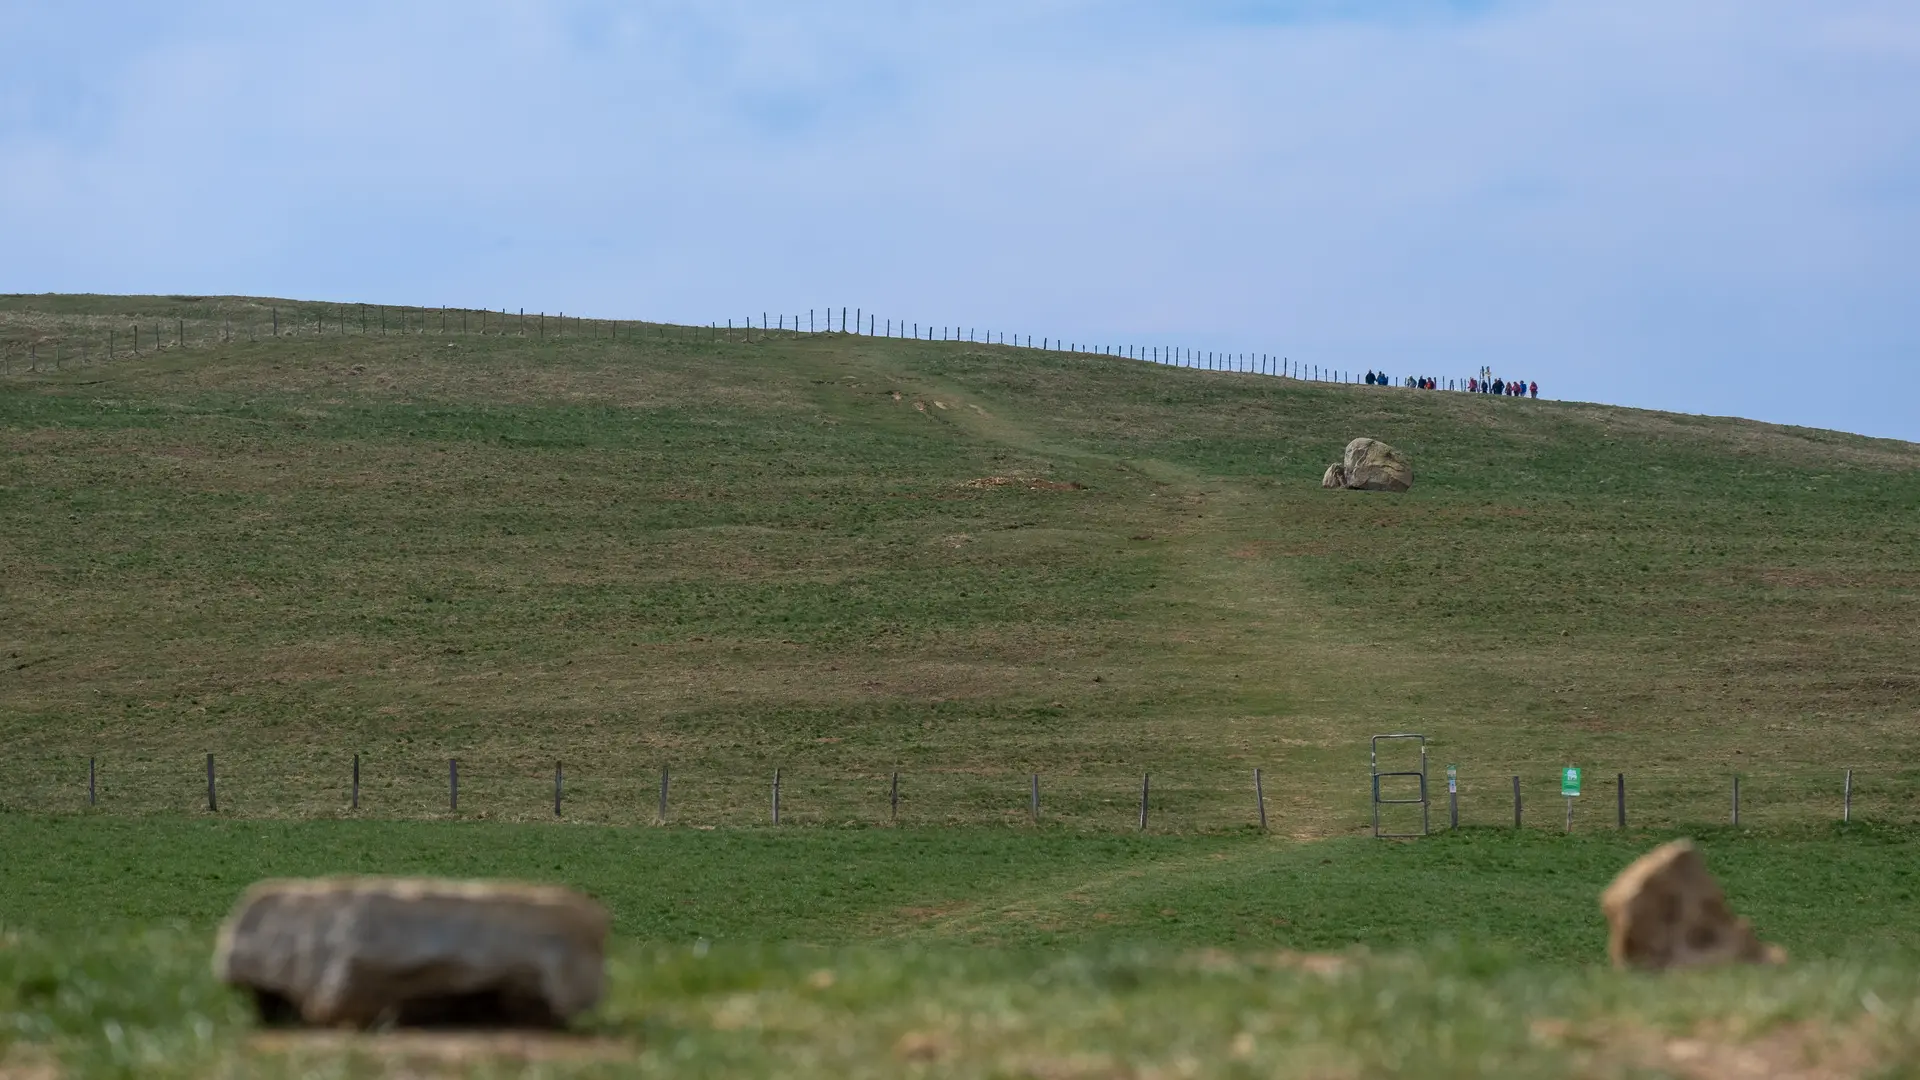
516 788
37 342
254 785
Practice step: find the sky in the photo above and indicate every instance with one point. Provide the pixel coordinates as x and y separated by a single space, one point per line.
1708 207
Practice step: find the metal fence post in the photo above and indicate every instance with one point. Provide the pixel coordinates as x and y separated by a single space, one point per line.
356 781
663 794
213 804
1516 802
1260 799
1620 794
776 796
893 799
1145 778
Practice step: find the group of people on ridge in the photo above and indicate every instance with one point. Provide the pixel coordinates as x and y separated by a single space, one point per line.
1486 383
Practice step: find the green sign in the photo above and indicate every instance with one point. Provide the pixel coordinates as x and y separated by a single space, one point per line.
1570 782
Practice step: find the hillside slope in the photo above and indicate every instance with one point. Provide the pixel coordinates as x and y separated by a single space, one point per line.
634 546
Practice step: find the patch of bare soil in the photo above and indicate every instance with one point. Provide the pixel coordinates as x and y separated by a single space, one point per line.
1801 1051
1031 484
1792 1052
1797 578
1325 965
16 1064
930 912
452 1050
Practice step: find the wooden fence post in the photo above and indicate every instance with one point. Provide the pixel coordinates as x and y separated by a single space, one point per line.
1736 798
1516 802
1620 793
663 794
453 785
556 789
893 799
356 781
213 803
90 783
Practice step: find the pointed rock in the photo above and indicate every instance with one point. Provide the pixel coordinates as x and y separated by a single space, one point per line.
1666 911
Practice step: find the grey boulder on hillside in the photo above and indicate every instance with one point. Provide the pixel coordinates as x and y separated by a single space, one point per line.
375 951
1370 465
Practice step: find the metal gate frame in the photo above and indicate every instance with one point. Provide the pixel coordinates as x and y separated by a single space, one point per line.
1373 757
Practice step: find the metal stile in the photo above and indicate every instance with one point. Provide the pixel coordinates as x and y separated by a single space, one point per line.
1374 760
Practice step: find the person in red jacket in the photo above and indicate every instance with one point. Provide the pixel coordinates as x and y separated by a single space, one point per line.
1534 389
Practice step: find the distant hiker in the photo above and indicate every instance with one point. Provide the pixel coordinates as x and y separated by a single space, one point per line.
1370 379
1499 386
1473 386
1534 389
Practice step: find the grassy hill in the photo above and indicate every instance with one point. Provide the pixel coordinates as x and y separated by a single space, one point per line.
626 546
846 556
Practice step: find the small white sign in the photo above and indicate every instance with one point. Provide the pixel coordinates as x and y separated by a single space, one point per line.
1453 780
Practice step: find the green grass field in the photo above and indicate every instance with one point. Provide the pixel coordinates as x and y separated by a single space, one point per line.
995 952
631 546
998 952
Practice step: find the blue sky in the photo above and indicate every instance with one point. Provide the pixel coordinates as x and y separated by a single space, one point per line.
1710 206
